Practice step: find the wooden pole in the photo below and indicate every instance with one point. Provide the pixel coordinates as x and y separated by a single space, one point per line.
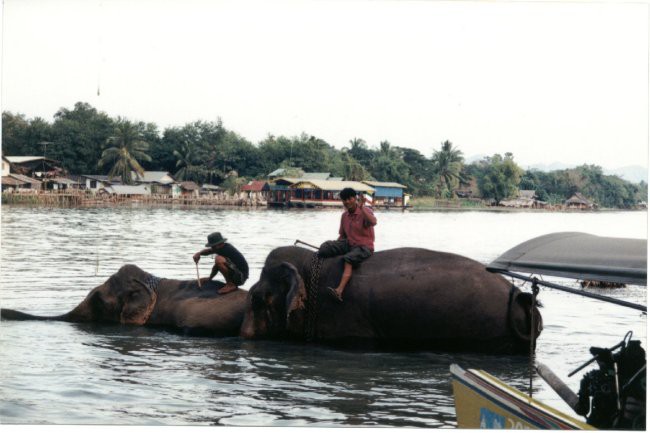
198 280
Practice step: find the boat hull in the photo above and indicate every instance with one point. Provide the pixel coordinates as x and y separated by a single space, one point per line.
483 401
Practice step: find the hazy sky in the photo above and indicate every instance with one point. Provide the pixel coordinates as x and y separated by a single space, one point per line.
547 81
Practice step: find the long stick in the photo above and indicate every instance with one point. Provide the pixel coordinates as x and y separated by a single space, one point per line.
198 280
298 241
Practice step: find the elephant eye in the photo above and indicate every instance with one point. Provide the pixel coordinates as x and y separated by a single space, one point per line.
134 294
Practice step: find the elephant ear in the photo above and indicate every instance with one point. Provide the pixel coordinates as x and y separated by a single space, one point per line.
521 328
138 304
296 297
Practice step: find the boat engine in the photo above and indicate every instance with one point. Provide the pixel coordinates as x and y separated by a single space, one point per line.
613 396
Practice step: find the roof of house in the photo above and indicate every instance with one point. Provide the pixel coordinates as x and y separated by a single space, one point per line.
8 180
332 185
102 178
254 185
384 184
127 189
210 187
61 180
22 159
153 176
579 198
24 179
189 185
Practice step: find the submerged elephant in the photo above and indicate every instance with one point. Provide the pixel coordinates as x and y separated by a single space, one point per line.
400 298
133 296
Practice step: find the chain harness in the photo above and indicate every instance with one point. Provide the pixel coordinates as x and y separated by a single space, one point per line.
312 297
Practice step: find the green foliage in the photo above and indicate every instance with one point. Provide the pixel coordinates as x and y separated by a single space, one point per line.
447 165
125 149
85 140
498 177
78 137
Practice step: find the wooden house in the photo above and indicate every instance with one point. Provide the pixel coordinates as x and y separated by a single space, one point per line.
322 193
159 182
17 182
387 194
256 189
526 198
210 190
189 189
127 191
20 183
578 201
59 183
37 167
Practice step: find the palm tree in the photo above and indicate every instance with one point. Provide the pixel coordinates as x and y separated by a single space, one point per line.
187 170
448 163
127 146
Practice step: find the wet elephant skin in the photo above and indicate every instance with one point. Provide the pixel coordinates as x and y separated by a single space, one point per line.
134 297
404 298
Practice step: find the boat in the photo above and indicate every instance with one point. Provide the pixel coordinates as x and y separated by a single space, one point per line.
612 395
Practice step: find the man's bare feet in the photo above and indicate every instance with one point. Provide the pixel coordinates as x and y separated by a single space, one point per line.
227 289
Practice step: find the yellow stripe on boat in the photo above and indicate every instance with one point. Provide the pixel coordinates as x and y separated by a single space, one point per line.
483 401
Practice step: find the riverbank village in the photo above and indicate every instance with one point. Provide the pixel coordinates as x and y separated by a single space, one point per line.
40 180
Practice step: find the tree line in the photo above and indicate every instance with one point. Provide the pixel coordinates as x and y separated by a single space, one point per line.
87 141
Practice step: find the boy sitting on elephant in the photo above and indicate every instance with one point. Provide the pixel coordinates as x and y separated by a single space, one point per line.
227 260
356 241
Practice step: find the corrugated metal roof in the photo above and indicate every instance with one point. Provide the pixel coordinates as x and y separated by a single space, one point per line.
21 159
128 189
61 180
25 179
7 180
254 185
210 187
153 176
102 178
384 184
333 185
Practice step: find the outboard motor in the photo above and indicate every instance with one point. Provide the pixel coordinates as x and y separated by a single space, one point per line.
613 396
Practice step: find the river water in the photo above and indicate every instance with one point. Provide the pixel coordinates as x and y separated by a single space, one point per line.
62 373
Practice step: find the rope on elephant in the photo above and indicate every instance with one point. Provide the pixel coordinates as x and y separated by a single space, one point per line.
312 297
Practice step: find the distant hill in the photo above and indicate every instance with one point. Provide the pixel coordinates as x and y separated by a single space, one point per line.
631 173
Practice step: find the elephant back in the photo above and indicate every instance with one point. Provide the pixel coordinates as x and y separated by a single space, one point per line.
419 293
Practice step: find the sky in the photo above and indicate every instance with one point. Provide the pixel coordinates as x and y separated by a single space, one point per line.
547 81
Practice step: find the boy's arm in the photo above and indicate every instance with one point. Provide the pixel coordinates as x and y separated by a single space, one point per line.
204 252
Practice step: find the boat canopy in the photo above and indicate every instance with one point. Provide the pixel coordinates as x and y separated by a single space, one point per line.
579 255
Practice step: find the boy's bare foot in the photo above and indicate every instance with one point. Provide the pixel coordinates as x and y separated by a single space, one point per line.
227 289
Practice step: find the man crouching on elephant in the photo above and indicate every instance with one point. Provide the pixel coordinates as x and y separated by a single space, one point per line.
227 260
356 240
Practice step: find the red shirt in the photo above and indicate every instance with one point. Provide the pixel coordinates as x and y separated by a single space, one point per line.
356 230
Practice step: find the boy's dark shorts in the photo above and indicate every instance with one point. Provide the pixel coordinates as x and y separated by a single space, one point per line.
236 276
352 255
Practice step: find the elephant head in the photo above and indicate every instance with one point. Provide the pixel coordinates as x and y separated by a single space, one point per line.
127 297
275 304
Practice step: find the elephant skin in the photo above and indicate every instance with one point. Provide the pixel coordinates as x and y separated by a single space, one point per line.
133 296
407 298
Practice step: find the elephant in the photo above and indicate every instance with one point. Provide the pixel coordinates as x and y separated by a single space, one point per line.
403 298
134 297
